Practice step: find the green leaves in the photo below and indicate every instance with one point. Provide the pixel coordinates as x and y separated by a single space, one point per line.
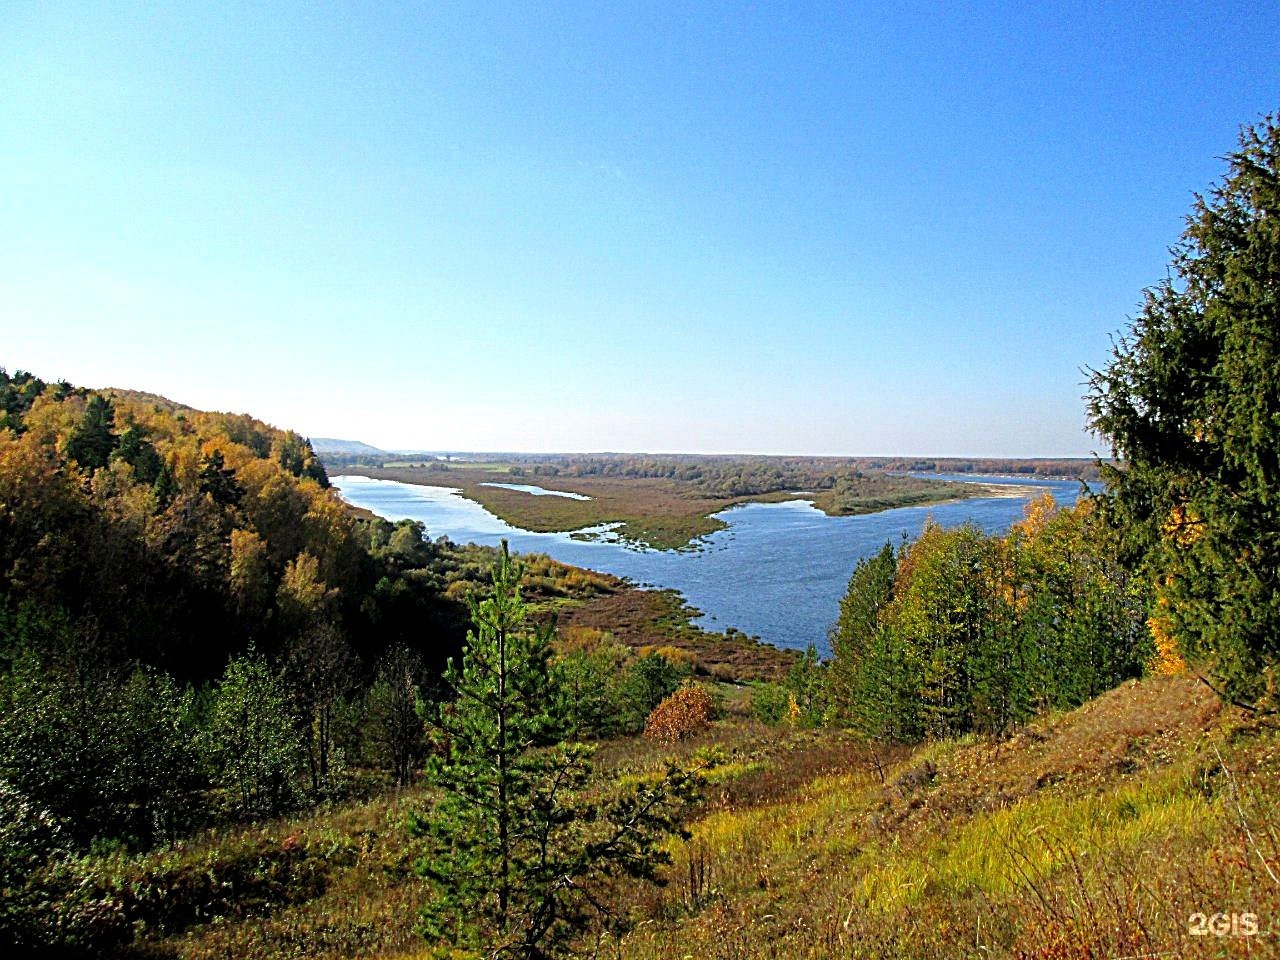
109 758
963 632
251 736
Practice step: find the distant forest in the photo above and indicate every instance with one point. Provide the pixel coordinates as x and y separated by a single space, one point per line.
724 475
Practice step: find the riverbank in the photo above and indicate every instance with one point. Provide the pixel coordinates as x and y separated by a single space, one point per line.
1014 491
645 620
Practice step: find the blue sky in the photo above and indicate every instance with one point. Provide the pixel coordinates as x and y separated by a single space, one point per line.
788 228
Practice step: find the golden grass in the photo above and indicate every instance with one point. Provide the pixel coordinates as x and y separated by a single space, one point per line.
1016 850
1093 834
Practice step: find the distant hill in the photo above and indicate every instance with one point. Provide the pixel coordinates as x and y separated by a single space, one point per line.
344 448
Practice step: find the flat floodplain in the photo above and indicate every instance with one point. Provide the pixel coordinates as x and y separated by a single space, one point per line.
668 513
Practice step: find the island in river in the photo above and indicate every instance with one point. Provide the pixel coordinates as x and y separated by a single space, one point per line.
666 502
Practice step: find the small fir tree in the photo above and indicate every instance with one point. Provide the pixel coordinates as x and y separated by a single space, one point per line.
516 855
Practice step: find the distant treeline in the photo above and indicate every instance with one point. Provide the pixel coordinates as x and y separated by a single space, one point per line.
738 475
1075 468
720 477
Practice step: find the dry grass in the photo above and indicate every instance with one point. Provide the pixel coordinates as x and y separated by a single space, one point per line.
660 618
364 904
1093 834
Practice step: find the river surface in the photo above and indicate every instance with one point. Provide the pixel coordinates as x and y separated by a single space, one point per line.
777 571
537 491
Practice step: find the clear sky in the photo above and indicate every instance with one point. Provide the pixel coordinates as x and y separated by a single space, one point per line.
848 228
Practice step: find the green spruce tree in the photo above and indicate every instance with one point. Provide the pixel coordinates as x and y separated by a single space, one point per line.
515 854
1190 405
92 441
861 610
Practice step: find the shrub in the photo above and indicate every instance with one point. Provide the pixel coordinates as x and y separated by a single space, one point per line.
806 688
675 655
591 677
682 714
769 703
28 836
650 680
106 758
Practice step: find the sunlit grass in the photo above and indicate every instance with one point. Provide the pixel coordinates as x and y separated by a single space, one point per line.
1039 848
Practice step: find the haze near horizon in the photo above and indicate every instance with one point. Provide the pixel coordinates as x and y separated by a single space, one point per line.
896 229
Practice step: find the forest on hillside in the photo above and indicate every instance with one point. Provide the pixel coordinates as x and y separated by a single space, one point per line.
196 632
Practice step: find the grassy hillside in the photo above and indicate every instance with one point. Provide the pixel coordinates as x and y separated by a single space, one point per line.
1095 833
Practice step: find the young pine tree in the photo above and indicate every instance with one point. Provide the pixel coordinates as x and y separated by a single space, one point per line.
515 854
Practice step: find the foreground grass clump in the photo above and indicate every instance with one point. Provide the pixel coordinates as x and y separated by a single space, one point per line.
366 905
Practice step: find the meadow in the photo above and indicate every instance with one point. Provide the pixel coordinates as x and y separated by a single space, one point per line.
1101 832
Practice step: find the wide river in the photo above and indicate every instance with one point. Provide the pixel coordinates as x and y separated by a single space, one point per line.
777 571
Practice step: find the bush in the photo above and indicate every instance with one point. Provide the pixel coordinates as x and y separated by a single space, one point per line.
676 655
770 703
806 689
591 677
28 837
108 759
685 712
51 906
651 679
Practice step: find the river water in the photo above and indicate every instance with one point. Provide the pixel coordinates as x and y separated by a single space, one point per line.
777 571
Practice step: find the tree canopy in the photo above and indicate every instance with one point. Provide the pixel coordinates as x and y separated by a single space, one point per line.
1190 405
